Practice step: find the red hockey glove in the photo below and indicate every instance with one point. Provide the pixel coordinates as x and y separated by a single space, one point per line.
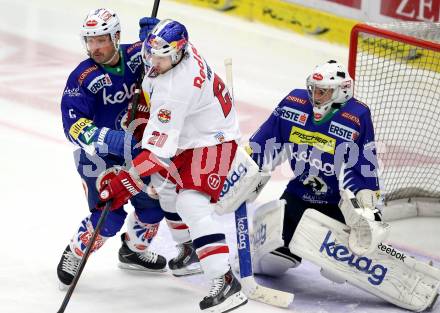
120 188
123 186
105 177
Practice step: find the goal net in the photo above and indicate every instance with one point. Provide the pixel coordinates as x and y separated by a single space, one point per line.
396 68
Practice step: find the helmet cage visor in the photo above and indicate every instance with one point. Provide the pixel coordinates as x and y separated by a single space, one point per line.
321 95
98 42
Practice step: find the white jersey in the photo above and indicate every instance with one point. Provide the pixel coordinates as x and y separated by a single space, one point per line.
190 108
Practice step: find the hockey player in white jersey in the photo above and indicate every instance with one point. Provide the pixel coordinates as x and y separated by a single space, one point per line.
188 146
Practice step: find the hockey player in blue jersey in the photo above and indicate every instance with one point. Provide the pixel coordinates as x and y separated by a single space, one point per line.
94 110
328 137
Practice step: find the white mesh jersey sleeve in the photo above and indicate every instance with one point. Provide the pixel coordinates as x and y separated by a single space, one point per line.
190 107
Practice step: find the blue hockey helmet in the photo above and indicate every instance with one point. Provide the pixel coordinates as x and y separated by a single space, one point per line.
168 38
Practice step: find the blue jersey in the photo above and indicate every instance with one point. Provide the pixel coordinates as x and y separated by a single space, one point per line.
97 96
336 152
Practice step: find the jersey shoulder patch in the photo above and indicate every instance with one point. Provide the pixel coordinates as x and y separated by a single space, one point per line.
133 48
353 118
133 57
354 111
84 71
297 97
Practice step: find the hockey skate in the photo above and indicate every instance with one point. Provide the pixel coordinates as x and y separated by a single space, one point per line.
142 261
274 263
186 262
67 268
225 295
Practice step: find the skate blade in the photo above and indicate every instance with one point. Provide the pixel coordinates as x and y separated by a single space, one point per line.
136 267
235 301
193 269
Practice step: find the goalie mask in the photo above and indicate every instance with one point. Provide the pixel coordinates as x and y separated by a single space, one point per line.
329 86
167 40
101 22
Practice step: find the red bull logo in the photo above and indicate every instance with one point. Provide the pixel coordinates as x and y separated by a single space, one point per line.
180 43
164 116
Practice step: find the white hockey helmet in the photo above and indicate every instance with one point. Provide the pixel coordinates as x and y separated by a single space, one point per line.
334 77
101 22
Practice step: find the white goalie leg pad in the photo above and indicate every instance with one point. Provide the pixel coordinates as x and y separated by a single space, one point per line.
243 183
267 227
267 235
386 272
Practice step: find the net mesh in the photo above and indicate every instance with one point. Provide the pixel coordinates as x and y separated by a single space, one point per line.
400 82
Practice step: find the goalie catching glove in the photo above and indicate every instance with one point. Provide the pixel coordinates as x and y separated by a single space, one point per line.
366 227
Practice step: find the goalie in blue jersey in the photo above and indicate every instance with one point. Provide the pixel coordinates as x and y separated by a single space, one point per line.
94 109
328 138
328 212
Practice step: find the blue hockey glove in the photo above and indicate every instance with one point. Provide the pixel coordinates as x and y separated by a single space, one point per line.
115 142
146 25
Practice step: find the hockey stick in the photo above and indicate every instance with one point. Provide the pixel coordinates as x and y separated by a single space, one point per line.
138 89
251 289
85 257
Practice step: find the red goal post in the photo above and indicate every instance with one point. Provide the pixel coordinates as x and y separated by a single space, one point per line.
396 69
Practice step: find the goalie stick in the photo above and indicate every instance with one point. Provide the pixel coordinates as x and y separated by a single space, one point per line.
250 287
85 257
